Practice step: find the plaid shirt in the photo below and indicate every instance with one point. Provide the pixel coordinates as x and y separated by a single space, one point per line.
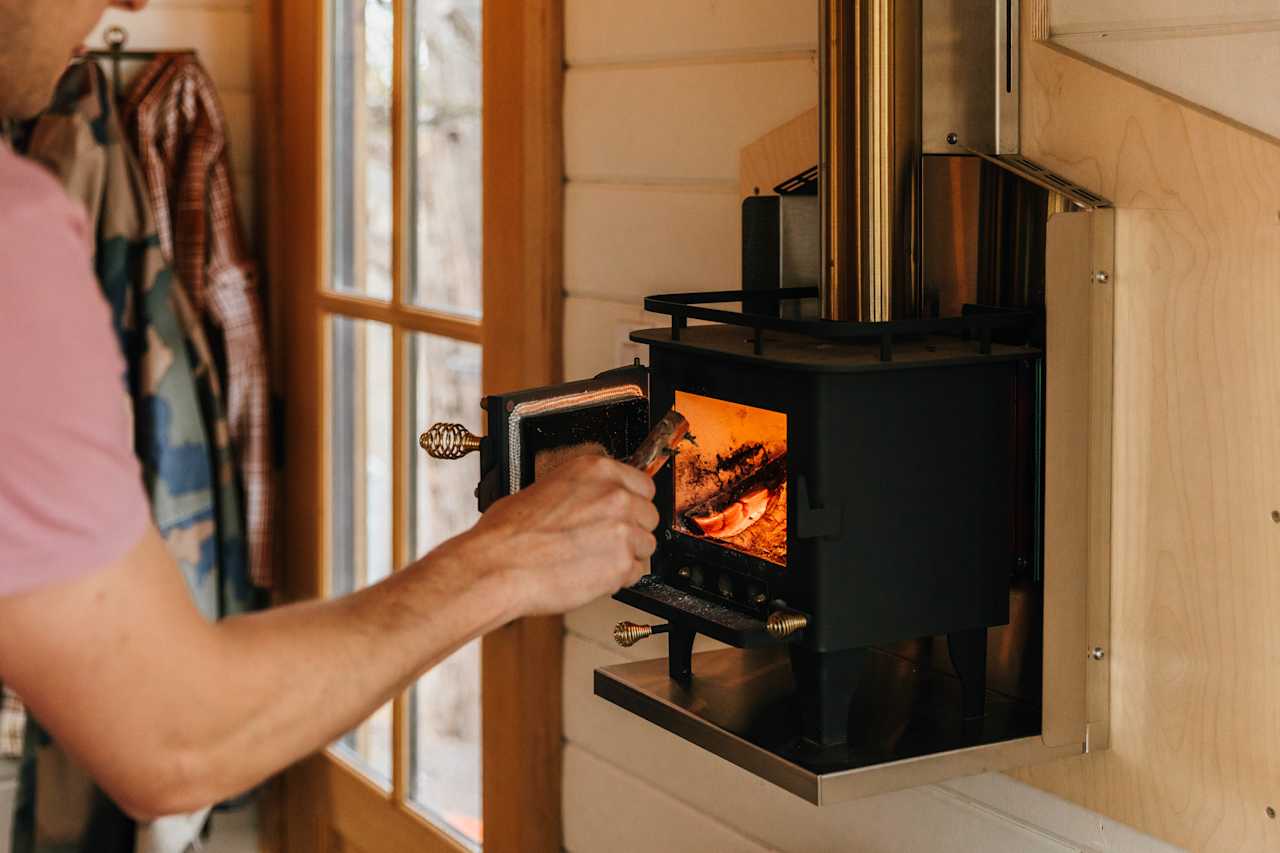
13 724
175 120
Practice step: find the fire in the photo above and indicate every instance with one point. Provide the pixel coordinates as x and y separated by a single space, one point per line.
731 487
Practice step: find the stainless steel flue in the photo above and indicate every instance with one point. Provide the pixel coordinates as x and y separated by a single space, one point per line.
870 135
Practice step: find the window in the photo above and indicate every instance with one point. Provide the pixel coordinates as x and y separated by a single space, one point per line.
393 185
402 331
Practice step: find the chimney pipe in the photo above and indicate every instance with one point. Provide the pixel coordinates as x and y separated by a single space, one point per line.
870 136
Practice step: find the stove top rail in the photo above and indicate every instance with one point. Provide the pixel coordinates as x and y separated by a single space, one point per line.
976 321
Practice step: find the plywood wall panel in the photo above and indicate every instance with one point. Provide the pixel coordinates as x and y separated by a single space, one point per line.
679 123
622 31
1194 666
1233 74
1077 15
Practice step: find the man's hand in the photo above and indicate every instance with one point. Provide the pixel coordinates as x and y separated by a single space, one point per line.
581 532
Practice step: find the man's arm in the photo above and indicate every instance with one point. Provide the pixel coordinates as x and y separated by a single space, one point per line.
170 713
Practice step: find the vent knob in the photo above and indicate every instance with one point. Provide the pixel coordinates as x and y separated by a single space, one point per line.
627 634
449 441
782 624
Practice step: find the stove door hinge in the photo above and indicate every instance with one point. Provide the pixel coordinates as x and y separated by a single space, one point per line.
816 522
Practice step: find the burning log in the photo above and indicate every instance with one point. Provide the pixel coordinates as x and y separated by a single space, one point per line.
740 505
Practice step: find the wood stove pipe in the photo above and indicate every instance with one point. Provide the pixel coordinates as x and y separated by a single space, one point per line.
870 115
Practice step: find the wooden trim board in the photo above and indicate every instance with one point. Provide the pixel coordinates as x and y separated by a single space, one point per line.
522 333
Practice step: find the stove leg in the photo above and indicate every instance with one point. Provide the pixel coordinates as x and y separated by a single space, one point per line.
969 657
825 684
680 654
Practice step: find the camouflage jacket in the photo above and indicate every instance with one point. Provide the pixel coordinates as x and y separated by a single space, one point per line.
181 435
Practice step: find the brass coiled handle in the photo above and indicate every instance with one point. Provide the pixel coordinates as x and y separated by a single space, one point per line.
627 634
782 624
449 441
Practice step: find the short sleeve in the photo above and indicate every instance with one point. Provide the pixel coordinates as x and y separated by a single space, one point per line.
71 496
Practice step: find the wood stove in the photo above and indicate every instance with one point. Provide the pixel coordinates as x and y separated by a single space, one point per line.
862 516
850 487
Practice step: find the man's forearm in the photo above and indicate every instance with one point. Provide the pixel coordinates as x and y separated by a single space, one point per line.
307 673
187 713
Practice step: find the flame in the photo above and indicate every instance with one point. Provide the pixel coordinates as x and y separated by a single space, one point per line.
731 487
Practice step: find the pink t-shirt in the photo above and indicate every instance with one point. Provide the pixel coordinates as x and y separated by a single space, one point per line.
71 496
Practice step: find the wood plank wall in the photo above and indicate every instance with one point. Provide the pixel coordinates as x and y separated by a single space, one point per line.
659 100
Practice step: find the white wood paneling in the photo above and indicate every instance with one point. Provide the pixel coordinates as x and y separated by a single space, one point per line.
623 31
1011 799
595 332
607 810
625 242
681 123
219 33
921 820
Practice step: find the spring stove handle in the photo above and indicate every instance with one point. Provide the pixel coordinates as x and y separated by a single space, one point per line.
449 441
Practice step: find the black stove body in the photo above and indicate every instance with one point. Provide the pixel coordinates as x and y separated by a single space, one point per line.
906 514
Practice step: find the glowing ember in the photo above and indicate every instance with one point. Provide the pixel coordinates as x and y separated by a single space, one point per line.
735 518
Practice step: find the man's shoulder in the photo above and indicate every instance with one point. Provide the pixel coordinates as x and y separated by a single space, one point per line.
35 208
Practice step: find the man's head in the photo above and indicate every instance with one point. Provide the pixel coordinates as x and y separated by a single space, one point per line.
39 38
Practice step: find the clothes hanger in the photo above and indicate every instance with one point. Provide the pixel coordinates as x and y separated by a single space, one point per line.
115 39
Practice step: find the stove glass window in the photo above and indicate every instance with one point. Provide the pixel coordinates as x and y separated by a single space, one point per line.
731 488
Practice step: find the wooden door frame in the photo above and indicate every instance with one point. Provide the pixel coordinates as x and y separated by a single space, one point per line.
523 245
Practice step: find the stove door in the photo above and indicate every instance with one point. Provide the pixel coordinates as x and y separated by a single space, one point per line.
533 431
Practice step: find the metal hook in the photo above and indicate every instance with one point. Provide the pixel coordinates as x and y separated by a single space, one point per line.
115 38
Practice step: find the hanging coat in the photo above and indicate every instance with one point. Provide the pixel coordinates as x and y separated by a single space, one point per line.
174 119
181 436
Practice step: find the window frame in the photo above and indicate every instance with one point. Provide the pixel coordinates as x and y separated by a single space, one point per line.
323 803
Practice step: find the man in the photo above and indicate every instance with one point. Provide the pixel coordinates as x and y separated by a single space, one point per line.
97 631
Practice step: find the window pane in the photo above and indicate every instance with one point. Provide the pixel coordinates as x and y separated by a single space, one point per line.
445 704
359 522
361 208
446 155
